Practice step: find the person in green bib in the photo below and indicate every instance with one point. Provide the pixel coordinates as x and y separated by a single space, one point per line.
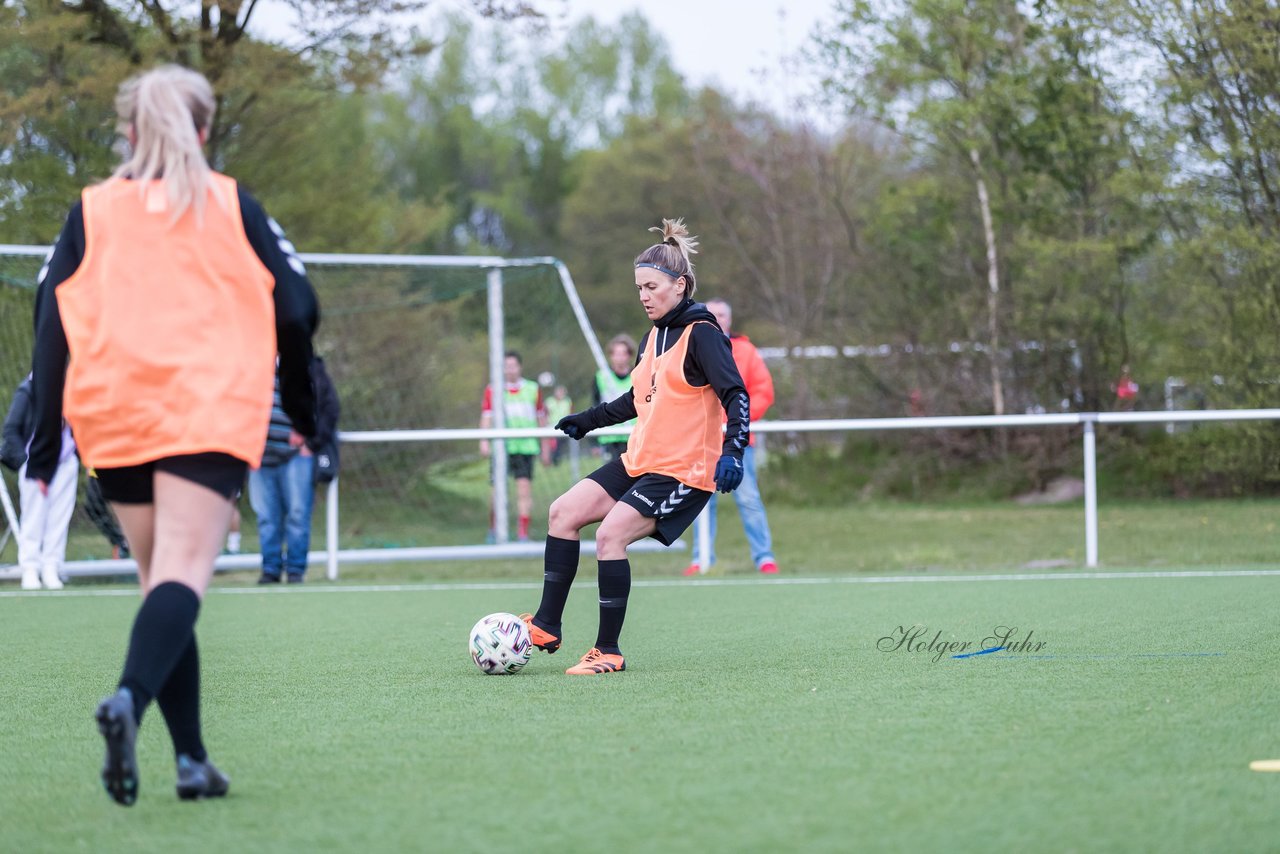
522 407
558 406
612 384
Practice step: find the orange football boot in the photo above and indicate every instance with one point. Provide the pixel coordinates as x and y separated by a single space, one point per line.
595 662
541 638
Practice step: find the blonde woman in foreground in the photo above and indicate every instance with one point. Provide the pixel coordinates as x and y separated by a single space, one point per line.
159 316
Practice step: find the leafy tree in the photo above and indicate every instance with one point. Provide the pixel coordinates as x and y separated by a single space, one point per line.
61 64
953 68
55 117
1220 85
1016 102
494 133
641 177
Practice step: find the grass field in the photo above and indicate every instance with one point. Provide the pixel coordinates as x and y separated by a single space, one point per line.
755 716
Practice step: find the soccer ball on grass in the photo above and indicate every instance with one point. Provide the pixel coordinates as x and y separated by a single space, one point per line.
500 644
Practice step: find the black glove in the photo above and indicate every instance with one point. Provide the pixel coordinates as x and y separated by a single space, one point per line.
575 426
728 473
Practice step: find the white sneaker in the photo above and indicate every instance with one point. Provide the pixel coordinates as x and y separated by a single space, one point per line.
30 580
51 579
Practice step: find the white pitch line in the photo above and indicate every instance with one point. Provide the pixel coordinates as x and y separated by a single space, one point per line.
445 586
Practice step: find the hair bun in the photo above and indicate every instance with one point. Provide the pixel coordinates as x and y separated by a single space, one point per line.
671 255
675 233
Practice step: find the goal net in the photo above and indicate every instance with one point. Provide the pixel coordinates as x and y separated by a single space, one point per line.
411 343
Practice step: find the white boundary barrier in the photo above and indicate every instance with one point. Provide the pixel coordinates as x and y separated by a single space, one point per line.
1088 420
333 555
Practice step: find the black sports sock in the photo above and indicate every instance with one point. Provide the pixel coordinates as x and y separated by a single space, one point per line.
179 702
161 632
560 566
615 586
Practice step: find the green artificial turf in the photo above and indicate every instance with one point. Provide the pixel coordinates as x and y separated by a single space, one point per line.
753 717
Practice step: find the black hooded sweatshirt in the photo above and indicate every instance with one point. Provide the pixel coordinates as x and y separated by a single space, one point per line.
708 361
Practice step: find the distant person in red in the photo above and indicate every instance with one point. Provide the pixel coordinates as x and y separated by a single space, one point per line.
1126 390
915 403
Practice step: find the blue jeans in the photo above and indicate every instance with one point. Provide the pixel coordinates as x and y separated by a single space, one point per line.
281 497
754 521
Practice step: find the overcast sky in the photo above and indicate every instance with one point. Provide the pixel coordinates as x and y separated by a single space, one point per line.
739 45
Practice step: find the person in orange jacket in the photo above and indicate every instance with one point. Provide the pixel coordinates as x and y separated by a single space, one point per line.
159 316
682 387
759 383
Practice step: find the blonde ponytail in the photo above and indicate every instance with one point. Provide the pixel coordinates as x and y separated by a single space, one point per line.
671 256
167 108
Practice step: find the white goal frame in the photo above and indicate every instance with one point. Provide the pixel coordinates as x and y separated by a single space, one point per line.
493 267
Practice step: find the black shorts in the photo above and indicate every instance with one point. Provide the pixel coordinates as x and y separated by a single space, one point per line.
664 499
222 473
519 466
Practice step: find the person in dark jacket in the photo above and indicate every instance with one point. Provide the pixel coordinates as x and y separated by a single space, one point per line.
19 424
282 490
46 514
328 411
